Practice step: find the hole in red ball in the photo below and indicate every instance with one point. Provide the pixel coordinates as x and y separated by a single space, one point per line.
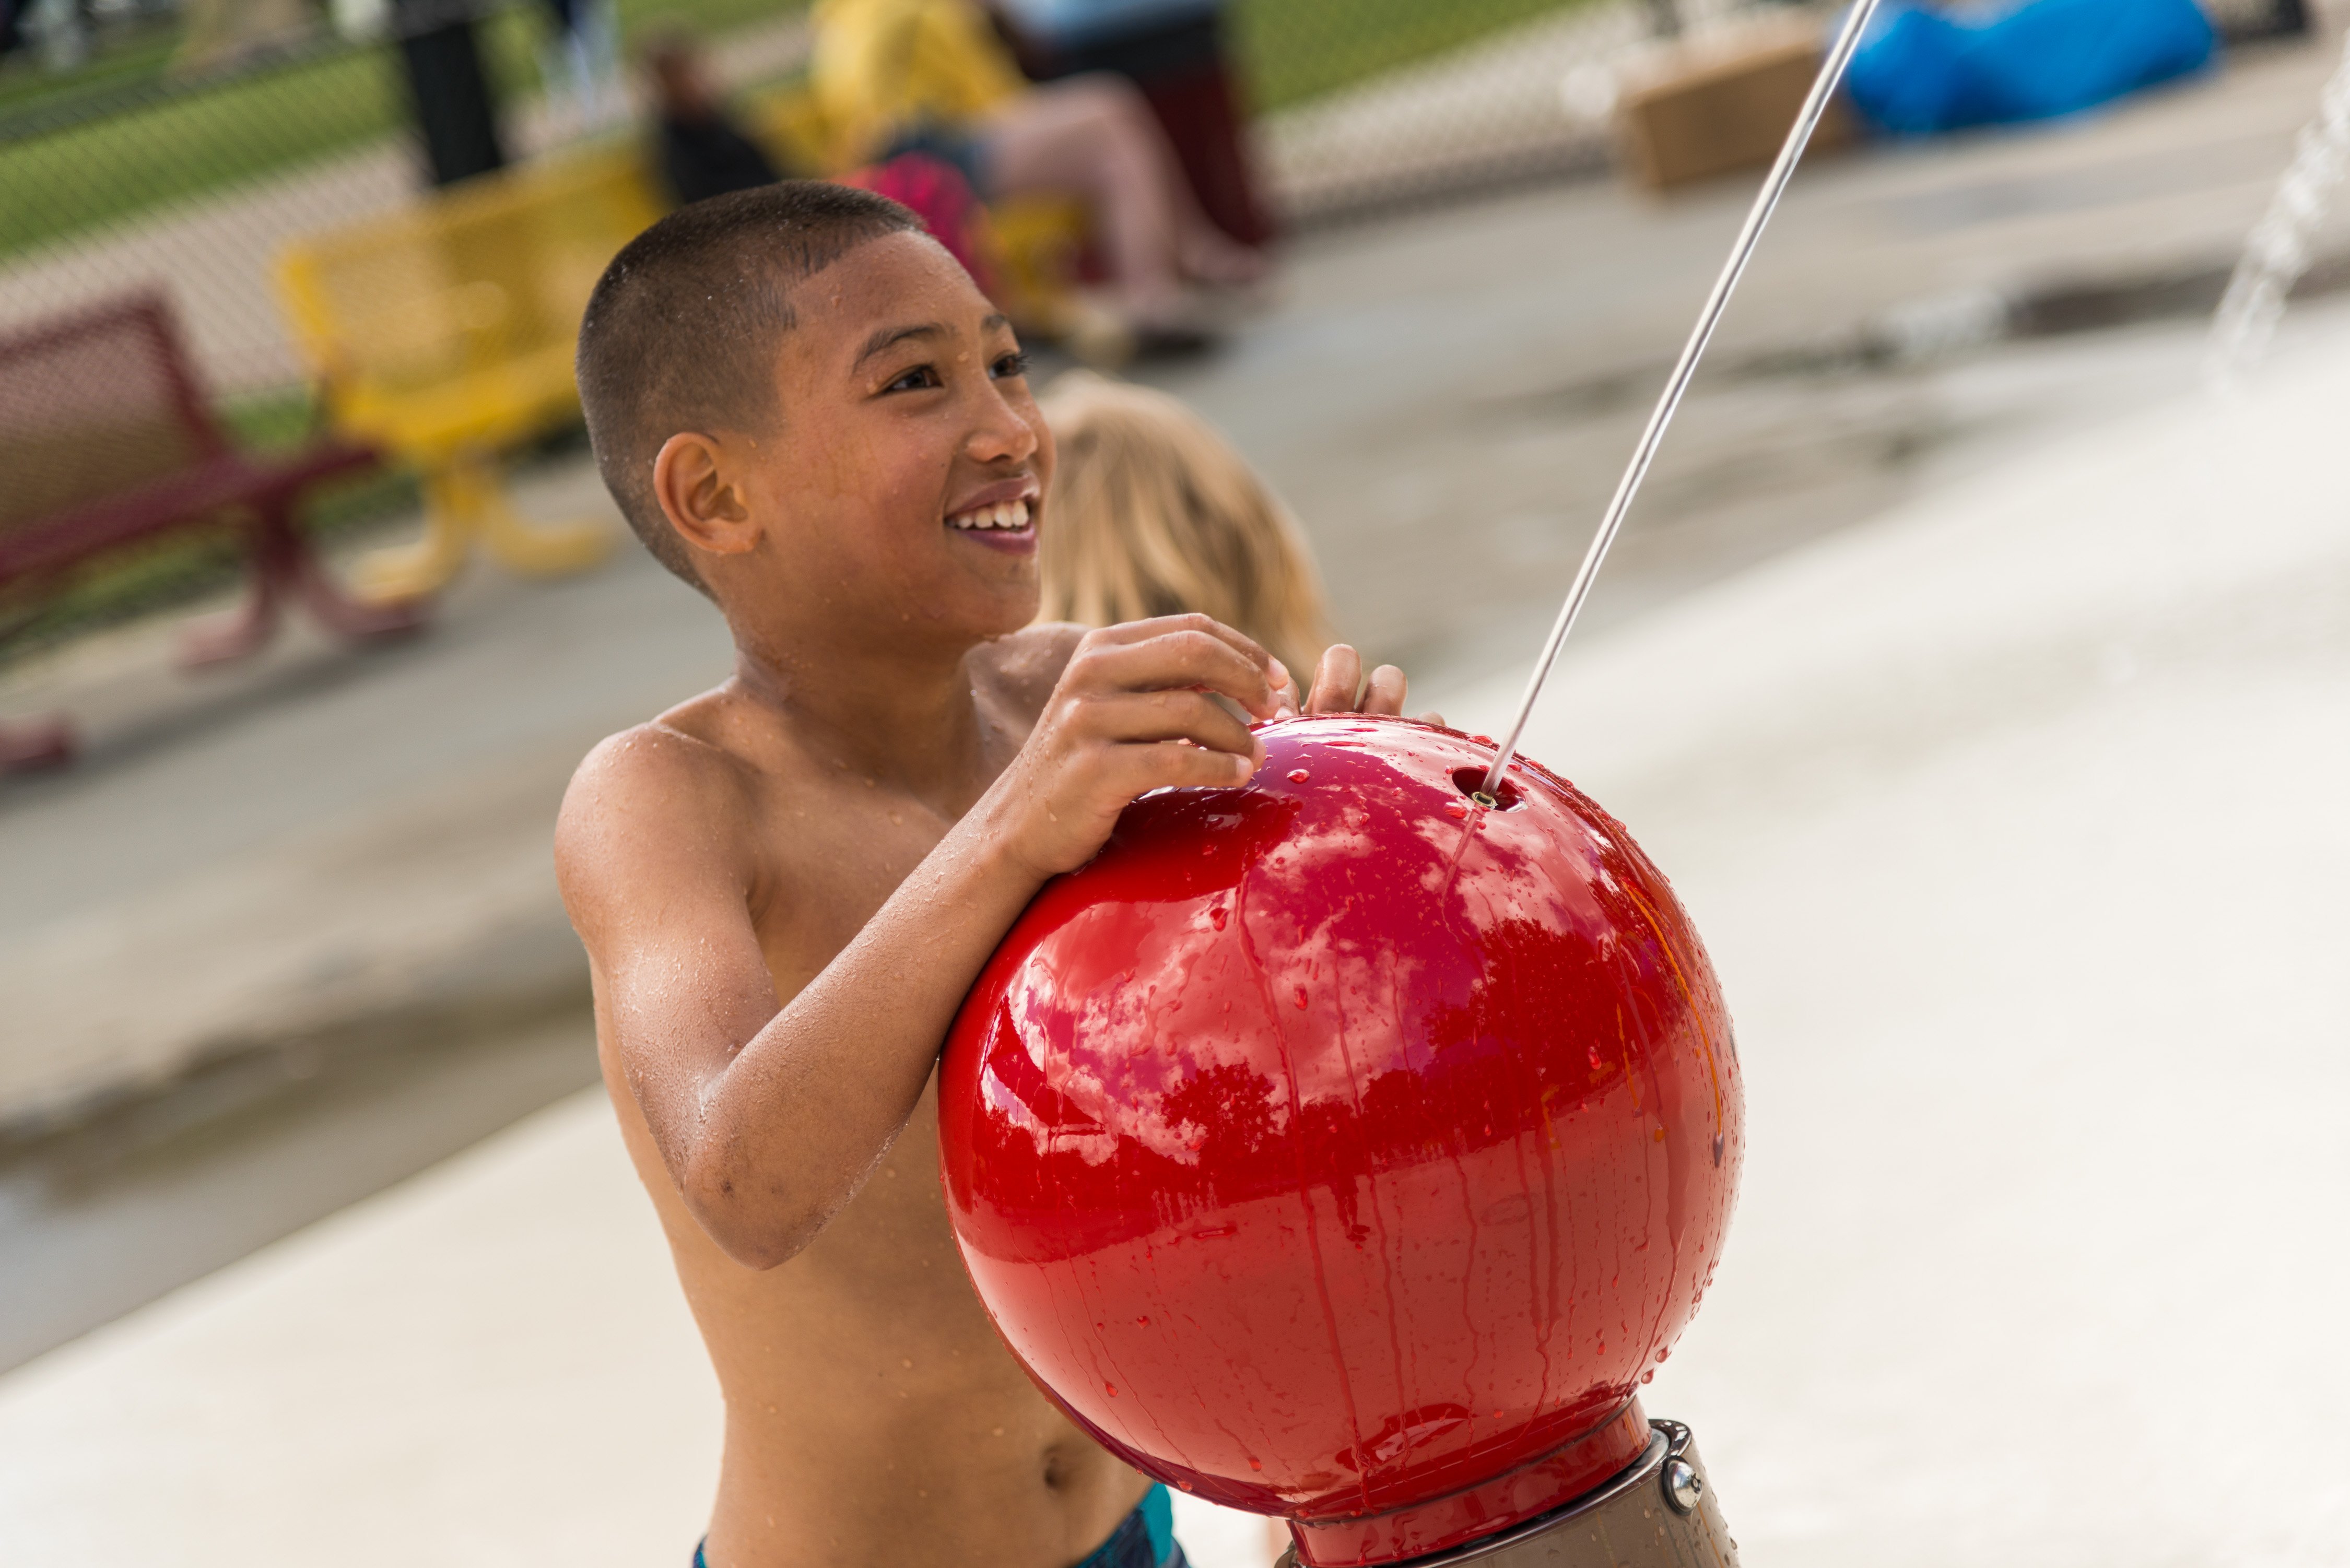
1471 782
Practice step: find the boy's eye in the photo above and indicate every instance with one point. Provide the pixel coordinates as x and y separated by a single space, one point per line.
918 379
1011 366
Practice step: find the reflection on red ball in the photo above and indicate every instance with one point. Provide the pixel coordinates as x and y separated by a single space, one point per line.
1337 1147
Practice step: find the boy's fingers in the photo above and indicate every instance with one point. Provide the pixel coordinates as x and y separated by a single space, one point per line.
1172 764
1134 631
1182 658
1336 682
1386 691
1435 718
1146 716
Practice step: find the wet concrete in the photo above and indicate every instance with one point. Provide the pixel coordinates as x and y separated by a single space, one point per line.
166 1190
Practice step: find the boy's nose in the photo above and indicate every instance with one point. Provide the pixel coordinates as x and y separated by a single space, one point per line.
1001 433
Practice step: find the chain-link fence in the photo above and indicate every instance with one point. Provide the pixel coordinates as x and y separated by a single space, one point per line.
192 182
185 142
130 159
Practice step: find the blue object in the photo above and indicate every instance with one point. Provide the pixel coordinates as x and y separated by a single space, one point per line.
1078 24
1918 72
1143 1539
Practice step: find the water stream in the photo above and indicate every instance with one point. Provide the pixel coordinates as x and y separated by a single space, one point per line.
2278 252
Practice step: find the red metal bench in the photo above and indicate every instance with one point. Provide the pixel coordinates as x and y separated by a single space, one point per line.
106 438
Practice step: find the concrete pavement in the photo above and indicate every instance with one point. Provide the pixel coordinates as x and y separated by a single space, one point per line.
2012 822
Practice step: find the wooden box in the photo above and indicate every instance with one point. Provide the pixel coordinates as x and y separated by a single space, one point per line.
1713 106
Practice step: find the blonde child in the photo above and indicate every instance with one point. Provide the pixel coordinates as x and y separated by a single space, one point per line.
1155 513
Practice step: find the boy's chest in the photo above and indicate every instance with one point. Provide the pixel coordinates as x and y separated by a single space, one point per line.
831 862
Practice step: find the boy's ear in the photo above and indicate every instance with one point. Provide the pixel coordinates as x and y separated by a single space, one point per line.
693 482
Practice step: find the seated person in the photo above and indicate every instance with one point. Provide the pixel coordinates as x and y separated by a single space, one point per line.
701 153
933 76
699 150
1154 514
787 884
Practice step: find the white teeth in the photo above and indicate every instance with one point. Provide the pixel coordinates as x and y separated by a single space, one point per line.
1008 515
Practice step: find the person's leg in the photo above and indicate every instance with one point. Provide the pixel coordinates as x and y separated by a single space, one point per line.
1096 137
1202 251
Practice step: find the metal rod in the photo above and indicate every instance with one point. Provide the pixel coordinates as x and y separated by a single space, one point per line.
1766 200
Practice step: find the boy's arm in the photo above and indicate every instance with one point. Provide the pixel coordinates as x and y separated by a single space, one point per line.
769 1120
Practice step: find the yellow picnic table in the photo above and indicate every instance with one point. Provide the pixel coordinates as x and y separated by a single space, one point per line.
443 333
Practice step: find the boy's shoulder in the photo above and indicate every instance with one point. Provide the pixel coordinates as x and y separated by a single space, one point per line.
690 747
649 787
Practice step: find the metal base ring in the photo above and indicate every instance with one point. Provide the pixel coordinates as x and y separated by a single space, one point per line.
1660 1511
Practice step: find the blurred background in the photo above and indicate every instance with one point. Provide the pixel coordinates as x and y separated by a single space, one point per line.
1975 541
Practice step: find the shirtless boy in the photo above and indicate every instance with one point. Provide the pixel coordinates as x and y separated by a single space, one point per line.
785 884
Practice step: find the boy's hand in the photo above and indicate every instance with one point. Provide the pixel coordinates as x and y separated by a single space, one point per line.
1338 687
1135 710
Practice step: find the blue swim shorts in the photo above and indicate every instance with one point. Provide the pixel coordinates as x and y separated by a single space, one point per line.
1143 1539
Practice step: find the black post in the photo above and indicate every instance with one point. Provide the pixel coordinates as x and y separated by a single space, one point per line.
448 88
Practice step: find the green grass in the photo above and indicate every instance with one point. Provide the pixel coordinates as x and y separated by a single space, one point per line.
187 143
137 57
79 177
1298 49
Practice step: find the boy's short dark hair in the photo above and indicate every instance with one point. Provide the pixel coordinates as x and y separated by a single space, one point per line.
681 333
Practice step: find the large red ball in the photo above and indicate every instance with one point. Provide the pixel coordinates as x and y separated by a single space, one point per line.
1335 1146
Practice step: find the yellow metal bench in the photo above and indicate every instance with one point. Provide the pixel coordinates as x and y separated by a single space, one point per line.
445 334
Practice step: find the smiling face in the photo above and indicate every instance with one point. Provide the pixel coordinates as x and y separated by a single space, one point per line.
901 492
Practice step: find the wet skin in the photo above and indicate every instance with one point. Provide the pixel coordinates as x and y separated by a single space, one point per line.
787 884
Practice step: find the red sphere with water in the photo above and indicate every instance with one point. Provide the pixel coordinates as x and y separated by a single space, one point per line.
1340 1147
